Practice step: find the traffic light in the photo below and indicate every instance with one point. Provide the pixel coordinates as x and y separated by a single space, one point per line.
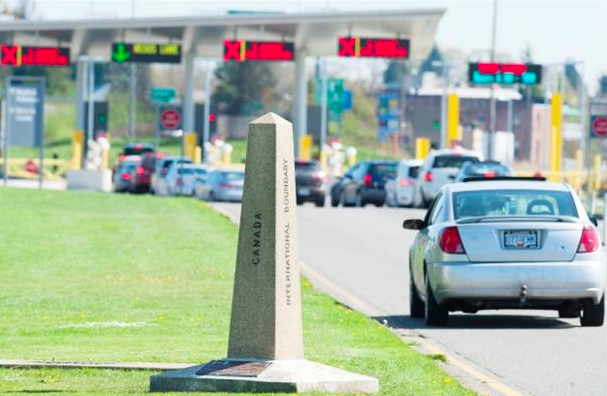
436 125
212 123
100 117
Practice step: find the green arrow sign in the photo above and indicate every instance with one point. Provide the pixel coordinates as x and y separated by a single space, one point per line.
120 53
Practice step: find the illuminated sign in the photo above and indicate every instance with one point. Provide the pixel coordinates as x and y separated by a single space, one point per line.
504 73
373 47
241 50
16 55
146 53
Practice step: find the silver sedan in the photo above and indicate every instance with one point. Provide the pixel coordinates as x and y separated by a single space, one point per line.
508 243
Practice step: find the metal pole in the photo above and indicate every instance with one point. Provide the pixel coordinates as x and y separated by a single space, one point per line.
6 130
510 115
133 103
207 106
91 104
443 107
323 104
42 83
492 99
605 219
301 97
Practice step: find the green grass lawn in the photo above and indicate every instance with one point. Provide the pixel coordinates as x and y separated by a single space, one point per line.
108 277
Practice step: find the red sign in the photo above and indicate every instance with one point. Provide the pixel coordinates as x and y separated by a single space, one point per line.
16 55
365 47
599 126
241 50
170 119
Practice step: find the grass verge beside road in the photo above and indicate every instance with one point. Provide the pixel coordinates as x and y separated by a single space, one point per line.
108 277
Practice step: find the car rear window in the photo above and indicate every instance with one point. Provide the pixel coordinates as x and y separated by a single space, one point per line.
307 166
385 171
127 166
413 172
232 176
191 171
135 150
513 203
482 168
452 161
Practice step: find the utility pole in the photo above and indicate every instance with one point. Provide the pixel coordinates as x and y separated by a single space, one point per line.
133 103
492 123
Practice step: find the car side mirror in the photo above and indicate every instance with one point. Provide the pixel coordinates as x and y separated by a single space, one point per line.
594 220
413 224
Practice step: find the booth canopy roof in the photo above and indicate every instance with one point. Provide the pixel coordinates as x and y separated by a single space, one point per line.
313 33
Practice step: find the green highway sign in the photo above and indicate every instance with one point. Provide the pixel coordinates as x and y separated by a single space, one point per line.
146 52
163 95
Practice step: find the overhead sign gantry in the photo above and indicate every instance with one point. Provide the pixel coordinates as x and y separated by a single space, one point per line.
505 73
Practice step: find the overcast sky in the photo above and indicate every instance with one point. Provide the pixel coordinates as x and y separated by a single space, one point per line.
556 30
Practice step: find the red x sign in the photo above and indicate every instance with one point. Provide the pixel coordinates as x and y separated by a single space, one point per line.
10 55
232 50
347 46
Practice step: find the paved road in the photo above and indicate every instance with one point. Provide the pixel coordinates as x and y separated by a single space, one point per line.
363 250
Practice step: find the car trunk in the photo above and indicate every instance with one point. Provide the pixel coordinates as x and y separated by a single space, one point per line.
514 241
442 176
305 178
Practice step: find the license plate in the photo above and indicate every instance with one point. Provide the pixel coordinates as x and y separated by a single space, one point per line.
304 192
521 240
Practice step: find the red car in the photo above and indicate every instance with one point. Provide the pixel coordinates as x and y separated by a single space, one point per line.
141 176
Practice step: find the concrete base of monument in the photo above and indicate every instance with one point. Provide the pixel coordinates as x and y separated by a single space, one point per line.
267 376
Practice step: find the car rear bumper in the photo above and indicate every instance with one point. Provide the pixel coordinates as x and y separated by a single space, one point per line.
572 280
374 195
310 193
229 195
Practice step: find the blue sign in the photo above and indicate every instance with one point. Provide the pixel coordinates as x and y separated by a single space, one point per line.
388 115
347 99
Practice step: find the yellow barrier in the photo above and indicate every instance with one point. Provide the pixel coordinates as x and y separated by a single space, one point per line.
596 171
422 146
453 129
556 139
305 147
58 168
189 145
198 155
77 140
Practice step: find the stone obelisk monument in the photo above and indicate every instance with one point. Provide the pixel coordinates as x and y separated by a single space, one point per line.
265 350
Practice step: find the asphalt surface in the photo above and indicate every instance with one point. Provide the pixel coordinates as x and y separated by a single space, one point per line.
363 250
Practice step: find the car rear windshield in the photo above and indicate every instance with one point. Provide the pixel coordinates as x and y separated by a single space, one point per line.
127 166
232 176
482 168
452 161
513 203
191 171
384 171
413 172
137 150
307 166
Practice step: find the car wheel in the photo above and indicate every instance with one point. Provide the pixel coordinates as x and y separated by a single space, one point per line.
211 196
320 202
379 204
593 314
360 202
342 200
436 315
416 305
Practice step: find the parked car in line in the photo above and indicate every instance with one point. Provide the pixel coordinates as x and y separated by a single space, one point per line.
141 176
363 183
506 243
182 178
310 181
400 191
440 168
483 169
122 175
130 149
159 184
222 185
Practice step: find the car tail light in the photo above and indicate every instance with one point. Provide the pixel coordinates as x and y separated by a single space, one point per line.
590 240
227 185
138 146
404 182
428 176
490 174
367 179
126 176
450 242
121 158
140 170
320 176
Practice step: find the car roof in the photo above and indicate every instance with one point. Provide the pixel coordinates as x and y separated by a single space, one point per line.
458 151
411 162
506 185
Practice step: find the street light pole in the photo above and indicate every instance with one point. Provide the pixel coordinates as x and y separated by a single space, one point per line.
492 110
